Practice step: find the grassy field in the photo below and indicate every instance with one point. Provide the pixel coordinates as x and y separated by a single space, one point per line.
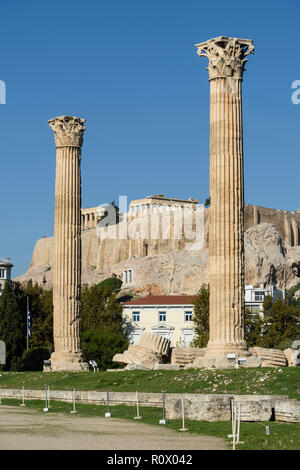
282 435
271 381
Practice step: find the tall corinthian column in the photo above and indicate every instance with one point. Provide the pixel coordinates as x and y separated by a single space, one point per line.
227 58
68 134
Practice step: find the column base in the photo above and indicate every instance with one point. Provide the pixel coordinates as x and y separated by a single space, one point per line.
71 362
215 349
225 363
226 356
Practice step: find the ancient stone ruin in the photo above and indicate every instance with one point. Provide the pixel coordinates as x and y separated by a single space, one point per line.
151 350
227 58
226 347
68 133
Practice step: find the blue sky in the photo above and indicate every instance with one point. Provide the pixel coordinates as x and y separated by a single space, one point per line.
131 69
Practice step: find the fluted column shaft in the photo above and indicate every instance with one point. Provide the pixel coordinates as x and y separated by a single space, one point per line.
67 250
226 214
68 133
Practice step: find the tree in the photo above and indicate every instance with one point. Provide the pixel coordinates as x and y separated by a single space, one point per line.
280 323
253 328
99 306
41 315
290 296
207 202
102 345
201 317
13 324
111 215
33 359
101 323
111 285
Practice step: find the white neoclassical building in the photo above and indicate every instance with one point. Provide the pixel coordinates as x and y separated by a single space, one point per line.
254 297
169 316
5 272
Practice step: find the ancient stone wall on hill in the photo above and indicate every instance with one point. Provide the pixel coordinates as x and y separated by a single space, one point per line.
180 266
286 223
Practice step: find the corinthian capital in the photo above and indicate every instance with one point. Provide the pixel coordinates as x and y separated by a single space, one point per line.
226 56
68 131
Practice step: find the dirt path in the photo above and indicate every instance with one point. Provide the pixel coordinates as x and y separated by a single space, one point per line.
21 428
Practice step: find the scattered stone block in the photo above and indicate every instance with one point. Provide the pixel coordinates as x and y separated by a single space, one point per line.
222 362
136 367
292 357
269 357
152 349
166 367
184 356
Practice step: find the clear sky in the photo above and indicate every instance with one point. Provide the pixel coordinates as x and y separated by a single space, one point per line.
131 69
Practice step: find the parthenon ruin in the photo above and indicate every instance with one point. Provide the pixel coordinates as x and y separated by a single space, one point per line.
287 223
157 204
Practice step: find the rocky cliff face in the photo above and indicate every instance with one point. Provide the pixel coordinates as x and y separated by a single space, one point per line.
270 260
174 270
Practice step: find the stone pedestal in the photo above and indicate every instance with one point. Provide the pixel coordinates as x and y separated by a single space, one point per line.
227 57
68 133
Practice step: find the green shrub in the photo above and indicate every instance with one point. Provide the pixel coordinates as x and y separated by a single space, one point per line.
201 317
13 324
111 285
33 359
102 345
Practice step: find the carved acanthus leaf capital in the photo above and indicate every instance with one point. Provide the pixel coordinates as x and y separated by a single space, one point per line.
68 131
227 56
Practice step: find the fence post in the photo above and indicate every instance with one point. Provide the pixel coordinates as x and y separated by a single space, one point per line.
107 414
49 406
73 399
163 421
23 396
137 408
182 412
46 399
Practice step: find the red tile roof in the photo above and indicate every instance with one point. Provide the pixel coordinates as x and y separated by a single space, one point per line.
162 300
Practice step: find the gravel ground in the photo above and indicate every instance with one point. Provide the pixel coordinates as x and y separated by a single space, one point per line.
23 429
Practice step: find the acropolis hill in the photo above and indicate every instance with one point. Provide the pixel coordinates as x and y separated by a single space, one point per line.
176 265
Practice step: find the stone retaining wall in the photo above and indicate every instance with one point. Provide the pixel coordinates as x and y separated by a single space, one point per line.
91 397
199 407
218 408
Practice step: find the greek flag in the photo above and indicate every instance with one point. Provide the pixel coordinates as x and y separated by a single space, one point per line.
28 323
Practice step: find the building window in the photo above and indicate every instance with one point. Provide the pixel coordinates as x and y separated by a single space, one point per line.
128 276
2 274
162 316
136 316
253 309
259 296
188 316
